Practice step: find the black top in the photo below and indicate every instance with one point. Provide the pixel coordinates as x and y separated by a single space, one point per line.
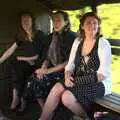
28 48
25 48
66 41
81 67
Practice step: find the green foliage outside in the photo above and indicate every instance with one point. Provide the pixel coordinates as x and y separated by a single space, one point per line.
110 28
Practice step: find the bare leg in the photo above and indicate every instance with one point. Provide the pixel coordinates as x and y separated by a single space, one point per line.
15 99
52 101
23 105
41 103
71 103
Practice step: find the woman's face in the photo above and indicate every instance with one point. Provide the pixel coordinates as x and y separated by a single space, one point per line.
26 22
90 26
58 22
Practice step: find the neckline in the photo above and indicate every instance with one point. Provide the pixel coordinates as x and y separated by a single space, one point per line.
94 48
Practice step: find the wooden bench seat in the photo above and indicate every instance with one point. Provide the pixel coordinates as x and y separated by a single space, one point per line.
111 102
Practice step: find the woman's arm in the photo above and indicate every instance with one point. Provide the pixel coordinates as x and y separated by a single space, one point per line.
44 70
8 52
105 56
70 65
69 80
21 58
57 68
69 69
40 72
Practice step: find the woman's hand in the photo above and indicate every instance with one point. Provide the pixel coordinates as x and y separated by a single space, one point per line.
69 80
41 72
100 77
21 59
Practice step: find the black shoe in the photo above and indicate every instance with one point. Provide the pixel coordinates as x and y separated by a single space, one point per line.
21 111
14 109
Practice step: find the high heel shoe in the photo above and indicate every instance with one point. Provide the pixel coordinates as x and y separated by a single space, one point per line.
22 108
21 111
23 105
14 109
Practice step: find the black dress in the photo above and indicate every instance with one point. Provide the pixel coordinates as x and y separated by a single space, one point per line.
87 87
21 69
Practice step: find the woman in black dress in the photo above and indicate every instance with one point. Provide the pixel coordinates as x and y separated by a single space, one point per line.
28 46
87 74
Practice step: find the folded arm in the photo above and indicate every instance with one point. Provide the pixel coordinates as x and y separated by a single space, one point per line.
22 58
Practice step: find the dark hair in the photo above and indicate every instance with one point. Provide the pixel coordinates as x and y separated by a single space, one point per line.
21 33
82 20
65 16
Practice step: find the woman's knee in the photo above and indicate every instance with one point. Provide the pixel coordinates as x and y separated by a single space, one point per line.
57 89
68 98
